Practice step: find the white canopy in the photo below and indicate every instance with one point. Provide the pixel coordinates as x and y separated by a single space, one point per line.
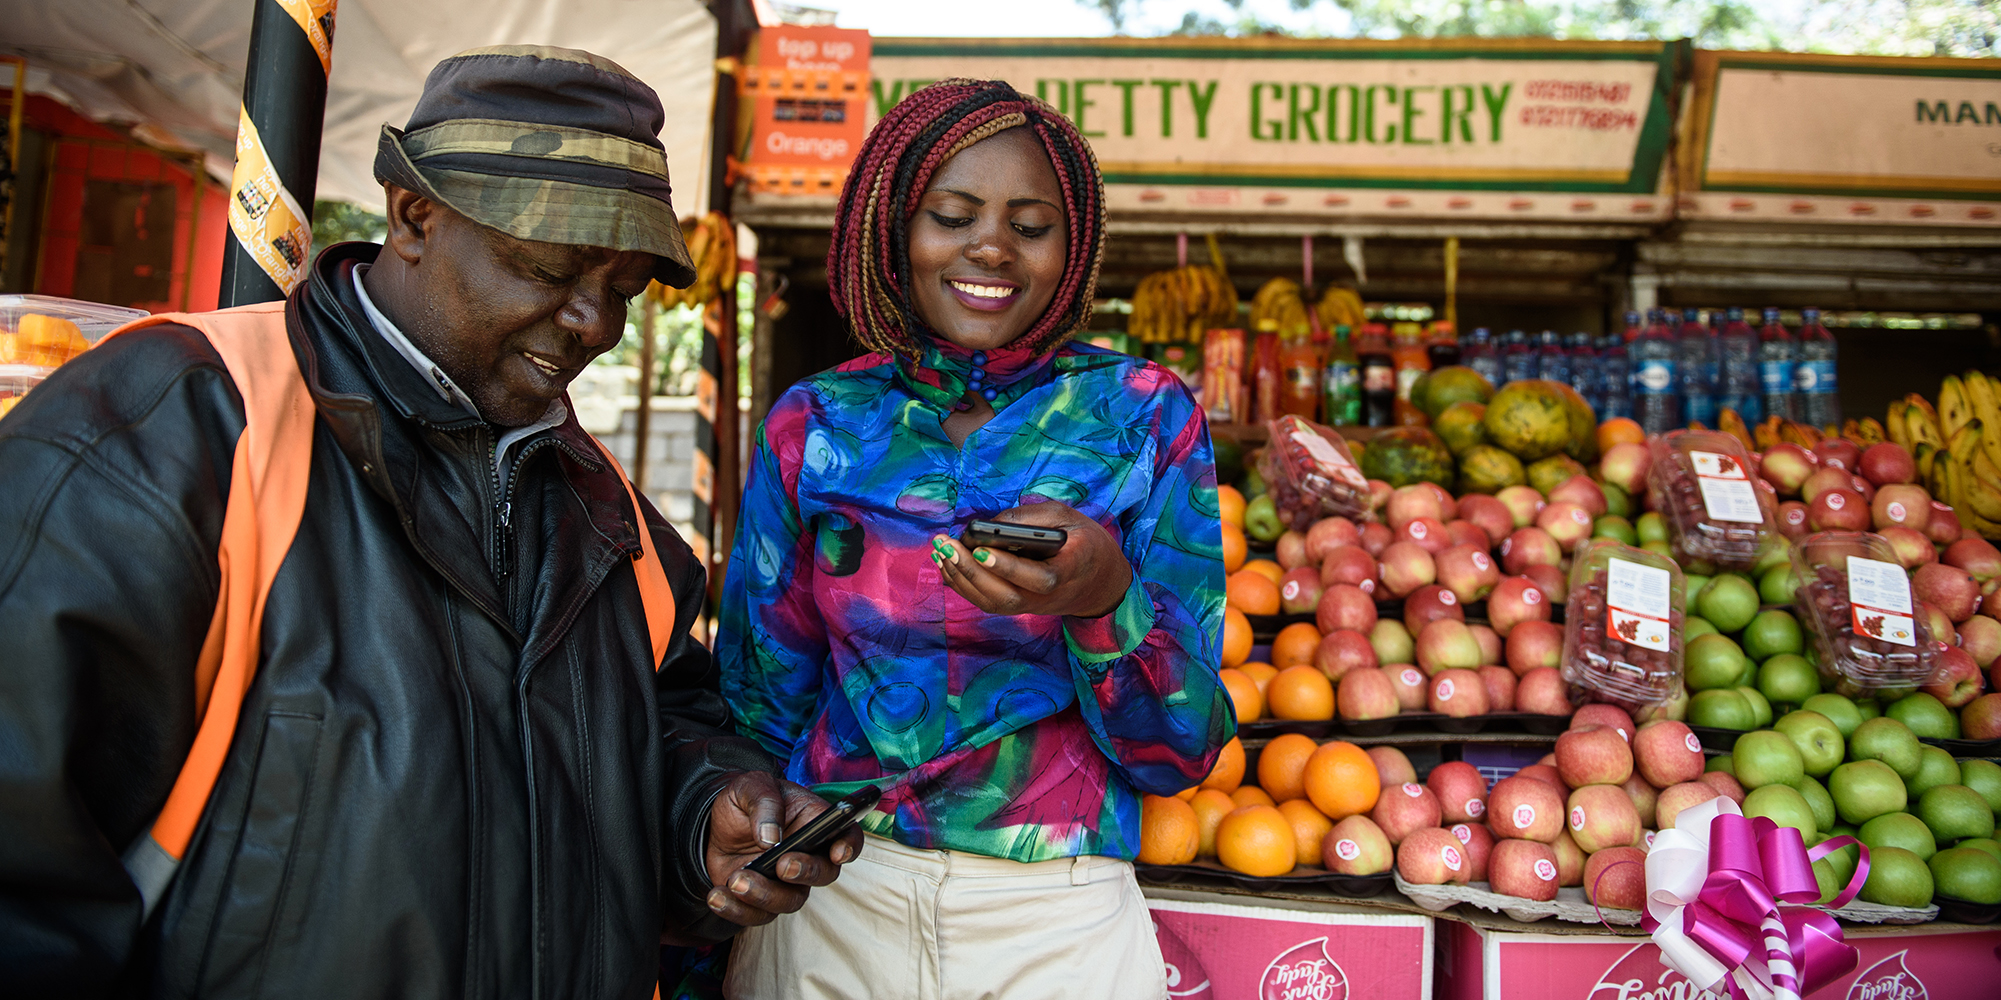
173 69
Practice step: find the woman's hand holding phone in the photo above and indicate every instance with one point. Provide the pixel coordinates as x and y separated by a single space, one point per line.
1087 578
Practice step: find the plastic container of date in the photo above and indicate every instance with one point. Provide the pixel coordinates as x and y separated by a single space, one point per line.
1855 603
1622 626
1717 516
1310 473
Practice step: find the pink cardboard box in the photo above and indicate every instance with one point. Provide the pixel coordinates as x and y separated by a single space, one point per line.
1920 962
1282 950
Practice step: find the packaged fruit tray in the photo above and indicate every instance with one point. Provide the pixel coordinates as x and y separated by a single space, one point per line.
1539 725
1352 886
1859 912
1570 905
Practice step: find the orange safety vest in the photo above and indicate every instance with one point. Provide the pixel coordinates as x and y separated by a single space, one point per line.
267 497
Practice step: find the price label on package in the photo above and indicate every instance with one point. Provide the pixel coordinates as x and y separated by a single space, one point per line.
1726 488
1879 595
1331 458
1639 600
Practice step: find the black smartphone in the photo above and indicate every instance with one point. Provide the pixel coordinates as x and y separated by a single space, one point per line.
1025 540
819 835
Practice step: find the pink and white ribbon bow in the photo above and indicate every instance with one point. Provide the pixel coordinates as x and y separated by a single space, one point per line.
1725 899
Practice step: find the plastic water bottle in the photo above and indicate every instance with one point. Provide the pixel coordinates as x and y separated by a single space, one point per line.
1813 376
1656 402
1584 375
1776 356
1740 367
1518 360
1550 360
1615 372
1480 355
1692 360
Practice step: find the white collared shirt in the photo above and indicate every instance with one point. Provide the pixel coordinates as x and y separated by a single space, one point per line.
449 390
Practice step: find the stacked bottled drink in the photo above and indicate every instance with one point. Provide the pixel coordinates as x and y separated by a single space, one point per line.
1615 373
1518 359
1776 356
1739 349
1552 362
1813 376
1694 358
1480 354
1656 402
1584 376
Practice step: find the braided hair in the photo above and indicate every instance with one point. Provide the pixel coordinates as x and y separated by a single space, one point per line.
868 263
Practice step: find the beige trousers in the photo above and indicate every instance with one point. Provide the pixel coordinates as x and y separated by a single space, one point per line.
909 924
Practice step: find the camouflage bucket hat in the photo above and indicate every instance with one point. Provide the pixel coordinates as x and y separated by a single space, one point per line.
546 144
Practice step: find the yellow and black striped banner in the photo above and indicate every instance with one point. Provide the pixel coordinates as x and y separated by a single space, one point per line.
278 149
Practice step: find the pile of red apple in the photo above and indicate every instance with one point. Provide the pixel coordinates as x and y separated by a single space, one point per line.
1570 820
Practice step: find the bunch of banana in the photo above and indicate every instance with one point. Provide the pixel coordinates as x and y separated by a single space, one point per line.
1731 422
1863 433
711 243
1175 307
1340 306
1911 421
1966 472
1279 308
1778 429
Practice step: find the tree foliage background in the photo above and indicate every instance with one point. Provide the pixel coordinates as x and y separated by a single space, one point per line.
1881 27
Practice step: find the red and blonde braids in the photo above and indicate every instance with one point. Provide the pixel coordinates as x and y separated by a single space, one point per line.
868 263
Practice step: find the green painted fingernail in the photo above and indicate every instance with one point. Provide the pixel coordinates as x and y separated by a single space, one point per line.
983 556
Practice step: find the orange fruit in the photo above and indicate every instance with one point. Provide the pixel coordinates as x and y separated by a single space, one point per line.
1232 504
1252 593
1619 430
1282 766
1187 793
1341 780
1235 549
1295 644
1210 807
1309 829
1301 693
1167 831
1259 673
1257 840
1267 569
1236 638
1251 795
1228 771
1250 705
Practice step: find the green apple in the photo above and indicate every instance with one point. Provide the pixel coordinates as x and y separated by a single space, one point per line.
1662 549
1955 812
1889 741
1926 716
1938 768
1818 740
1988 844
1767 757
1761 710
1822 804
1772 632
1899 829
1652 527
1774 553
1827 881
1261 520
1616 527
1897 878
1710 660
1729 602
1983 776
1618 503
1777 584
1843 858
1967 873
1693 584
1839 710
1868 708
1721 762
1782 805
1787 679
1721 708
1866 789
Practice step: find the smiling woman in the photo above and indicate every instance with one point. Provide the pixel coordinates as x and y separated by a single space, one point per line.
1013 710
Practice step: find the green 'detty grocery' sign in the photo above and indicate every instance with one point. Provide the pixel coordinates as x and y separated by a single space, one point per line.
1488 115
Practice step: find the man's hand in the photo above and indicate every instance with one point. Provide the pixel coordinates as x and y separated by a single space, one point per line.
754 813
1087 578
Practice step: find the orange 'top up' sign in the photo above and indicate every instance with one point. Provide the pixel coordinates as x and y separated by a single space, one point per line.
806 89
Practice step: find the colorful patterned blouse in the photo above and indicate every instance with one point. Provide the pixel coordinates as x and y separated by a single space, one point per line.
1028 737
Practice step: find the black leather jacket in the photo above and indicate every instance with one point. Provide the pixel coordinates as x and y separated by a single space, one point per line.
456 774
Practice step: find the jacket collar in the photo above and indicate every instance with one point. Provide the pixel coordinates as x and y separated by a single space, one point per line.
945 372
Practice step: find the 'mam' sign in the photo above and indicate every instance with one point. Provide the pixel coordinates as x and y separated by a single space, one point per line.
1487 115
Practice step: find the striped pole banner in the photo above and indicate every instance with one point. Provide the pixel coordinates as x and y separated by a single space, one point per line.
278 149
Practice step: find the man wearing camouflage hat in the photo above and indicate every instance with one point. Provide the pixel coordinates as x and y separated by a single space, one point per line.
473 750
